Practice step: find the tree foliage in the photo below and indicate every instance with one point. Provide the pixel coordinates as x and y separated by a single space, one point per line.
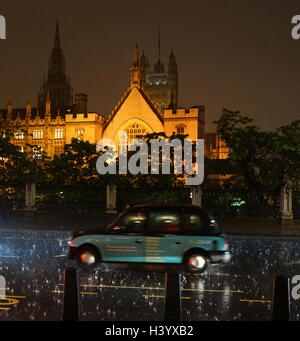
264 162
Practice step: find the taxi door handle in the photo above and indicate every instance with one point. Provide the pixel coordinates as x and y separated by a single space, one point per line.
177 242
138 241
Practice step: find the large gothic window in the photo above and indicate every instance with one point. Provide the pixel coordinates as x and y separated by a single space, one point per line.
37 134
58 134
19 135
135 131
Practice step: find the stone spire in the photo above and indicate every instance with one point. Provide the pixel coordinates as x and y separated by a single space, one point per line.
159 66
172 63
57 84
135 69
144 68
173 79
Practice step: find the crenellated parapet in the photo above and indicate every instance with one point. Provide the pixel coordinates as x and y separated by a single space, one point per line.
183 113
85 118
184 121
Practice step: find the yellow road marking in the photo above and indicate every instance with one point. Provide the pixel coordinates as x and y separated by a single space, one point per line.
89 293
154 296
11 301
16 296
256 301
121 287
115 287
81 293
155 288
216 290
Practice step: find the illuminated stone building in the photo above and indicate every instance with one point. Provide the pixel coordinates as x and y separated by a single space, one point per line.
150 104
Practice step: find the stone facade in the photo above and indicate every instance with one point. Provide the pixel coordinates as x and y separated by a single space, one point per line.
150 104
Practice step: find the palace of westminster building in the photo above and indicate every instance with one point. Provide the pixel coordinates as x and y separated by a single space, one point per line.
150 104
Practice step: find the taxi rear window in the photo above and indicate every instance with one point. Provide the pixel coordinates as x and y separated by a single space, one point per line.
190 222
164 222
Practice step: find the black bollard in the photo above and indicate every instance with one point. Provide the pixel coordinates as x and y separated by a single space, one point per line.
173 297
280 301
71 295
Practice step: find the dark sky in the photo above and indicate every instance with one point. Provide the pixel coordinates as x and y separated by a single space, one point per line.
237 54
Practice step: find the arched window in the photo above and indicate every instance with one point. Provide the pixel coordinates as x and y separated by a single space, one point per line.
79 133
180 129
135 131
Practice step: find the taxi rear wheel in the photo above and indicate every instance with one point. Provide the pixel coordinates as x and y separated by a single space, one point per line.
87 256
196 262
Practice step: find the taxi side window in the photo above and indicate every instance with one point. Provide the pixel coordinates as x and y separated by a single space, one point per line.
134 222
164 222
192 223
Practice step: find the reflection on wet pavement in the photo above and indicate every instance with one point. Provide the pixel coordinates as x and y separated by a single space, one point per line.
33 264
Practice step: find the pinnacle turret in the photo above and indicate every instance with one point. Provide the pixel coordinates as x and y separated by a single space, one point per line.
135 69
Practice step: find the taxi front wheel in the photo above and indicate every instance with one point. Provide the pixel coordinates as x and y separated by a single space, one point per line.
196 262
87 256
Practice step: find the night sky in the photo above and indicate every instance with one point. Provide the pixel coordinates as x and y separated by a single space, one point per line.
236 54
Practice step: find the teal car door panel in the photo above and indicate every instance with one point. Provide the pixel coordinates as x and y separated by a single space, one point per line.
163 249
126 241
123 248
163 242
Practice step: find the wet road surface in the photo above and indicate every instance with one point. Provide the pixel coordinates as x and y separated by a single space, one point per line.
33 264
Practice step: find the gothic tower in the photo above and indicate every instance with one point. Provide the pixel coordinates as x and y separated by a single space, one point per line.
173 81
160 85
57 84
